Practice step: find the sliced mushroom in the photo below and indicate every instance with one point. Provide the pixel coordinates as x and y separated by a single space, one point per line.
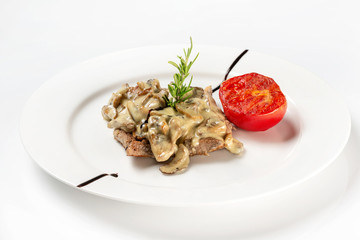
158 124
233 145
212 128
123 122
190 110
175 129
124 88
161 147
212 103
152 101
142 85
116 99
138 114
108 112
159 138
163 112
154 83
180 161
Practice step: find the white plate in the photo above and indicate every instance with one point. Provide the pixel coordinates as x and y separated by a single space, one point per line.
63 131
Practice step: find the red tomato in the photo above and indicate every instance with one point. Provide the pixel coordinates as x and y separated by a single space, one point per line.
252 101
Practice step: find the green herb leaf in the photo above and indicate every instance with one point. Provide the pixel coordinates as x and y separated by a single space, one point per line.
174 64
178 89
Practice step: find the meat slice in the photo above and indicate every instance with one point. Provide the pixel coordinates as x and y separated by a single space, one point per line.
206 145
133 147
142 148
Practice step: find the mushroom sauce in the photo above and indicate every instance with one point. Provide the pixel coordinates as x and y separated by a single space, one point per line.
141 110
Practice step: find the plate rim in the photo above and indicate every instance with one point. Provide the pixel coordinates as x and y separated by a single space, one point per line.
104 56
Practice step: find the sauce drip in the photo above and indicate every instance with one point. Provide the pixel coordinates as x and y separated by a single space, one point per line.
231 67
97 178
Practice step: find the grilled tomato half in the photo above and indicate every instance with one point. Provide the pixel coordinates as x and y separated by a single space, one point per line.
252 101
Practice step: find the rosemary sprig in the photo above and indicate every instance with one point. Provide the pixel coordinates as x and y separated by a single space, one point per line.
178 89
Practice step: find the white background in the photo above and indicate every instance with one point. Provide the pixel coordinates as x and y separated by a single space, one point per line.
38 39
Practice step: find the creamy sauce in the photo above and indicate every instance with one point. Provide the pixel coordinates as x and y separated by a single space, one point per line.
141 110
132 106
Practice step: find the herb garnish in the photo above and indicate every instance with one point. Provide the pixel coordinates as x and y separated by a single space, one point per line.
178 89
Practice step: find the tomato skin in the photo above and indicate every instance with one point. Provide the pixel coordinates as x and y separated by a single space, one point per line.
252 101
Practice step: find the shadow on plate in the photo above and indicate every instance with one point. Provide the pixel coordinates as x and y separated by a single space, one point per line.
286 130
